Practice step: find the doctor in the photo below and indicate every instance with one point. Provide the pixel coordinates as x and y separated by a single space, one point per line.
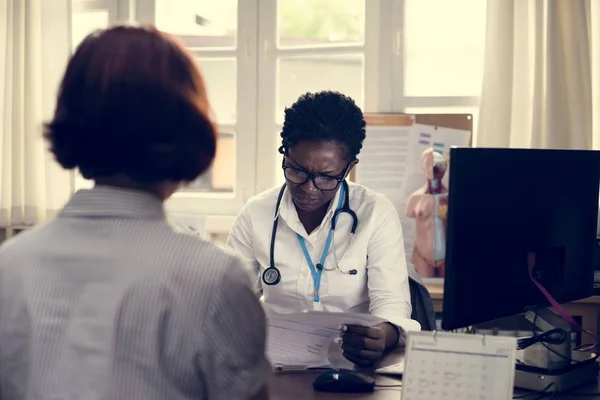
322 243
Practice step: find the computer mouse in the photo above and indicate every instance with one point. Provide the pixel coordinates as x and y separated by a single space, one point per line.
344 381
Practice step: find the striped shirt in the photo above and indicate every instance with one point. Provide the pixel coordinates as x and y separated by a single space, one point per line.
107 301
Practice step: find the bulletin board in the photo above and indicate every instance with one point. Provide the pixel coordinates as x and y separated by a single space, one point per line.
453 121
390 163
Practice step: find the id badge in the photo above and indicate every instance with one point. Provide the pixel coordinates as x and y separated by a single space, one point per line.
317 306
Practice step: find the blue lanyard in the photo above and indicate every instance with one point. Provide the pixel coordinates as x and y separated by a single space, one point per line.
316 272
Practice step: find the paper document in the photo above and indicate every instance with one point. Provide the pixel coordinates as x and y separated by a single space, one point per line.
383 160
302 340
394 369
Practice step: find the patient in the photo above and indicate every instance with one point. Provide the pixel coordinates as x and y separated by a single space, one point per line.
107 301
428 206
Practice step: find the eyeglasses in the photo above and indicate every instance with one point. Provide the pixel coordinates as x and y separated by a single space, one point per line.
321 182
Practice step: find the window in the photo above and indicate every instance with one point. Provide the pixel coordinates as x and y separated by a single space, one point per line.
85 22
440 54
209 24
221 35
209 30
259 56
319 45
443 47
310 45
89 15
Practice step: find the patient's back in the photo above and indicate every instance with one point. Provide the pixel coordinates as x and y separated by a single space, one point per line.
108 302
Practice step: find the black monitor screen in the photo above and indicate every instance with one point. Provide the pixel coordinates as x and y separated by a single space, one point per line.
508 206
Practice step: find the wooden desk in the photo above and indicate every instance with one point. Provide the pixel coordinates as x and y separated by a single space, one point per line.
298 385
588 309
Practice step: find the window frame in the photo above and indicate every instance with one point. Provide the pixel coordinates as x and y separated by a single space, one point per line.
377 71
118 10
256 56
223 203
200 202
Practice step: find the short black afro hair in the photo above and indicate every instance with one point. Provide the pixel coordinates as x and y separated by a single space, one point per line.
133 103
324 116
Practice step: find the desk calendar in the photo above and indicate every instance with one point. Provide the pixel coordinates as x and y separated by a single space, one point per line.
440 365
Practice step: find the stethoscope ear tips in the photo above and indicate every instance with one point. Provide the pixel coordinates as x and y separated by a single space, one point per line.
353 272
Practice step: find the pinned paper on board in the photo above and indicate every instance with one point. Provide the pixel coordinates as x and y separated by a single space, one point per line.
391 162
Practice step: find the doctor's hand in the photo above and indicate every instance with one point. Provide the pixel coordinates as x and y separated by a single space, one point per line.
362 345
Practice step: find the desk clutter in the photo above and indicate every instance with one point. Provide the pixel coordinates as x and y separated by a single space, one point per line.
442 365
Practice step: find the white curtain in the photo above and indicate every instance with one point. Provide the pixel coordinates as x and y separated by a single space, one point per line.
539 86
34 48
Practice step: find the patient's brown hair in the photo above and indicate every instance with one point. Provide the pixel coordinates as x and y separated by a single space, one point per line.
133 103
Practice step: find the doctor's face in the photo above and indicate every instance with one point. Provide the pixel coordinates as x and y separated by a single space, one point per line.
325 162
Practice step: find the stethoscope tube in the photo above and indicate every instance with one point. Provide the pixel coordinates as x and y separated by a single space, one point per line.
272 275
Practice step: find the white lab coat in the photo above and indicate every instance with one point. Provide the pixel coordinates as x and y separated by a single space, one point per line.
377 252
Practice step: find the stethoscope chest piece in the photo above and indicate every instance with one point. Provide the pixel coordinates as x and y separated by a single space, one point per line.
271 276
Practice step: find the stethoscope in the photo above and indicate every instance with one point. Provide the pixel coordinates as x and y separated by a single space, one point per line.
272 275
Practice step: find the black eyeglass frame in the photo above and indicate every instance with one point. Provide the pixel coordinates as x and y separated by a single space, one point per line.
309 175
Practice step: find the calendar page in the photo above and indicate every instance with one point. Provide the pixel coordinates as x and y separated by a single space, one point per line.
441 365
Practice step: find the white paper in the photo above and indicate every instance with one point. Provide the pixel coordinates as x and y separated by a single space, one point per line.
383 160
394 369
303 339
295 344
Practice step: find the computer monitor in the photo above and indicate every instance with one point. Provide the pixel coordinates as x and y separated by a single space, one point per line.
504 204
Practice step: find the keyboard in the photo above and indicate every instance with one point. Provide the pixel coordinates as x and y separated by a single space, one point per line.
394 369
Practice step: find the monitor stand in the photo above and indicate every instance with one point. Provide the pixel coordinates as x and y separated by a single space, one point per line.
540 366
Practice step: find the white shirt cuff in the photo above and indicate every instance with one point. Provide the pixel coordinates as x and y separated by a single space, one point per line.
404 326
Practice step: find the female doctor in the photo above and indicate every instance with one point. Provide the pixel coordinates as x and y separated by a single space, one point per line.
322 243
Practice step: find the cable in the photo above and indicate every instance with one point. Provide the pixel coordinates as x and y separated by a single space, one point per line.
543 342
539 393
544 339
544 396
531 263
554 336
525 395
388 386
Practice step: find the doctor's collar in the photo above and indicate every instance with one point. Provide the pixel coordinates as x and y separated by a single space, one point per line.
286 199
